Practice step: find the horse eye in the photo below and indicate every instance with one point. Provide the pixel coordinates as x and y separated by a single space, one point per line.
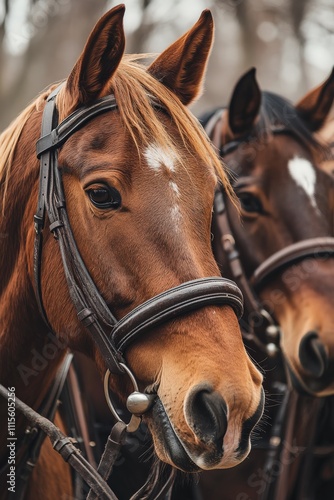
104 197
250 203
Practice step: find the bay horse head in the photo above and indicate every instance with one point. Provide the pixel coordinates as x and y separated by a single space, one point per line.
130 206
285 235
326 136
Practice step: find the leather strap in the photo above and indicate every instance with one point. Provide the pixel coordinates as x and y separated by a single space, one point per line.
56 137
254 312
50 118
115 441
306 249
174 302
85 296
74 404
229 247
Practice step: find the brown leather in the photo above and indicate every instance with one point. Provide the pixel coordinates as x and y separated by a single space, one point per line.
312 248
175 302
81 422
254 311
112 448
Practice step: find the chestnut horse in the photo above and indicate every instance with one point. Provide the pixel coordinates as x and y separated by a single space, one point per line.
276 163
139 182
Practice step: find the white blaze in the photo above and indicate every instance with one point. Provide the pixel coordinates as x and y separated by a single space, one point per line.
175 188
159 160
303 173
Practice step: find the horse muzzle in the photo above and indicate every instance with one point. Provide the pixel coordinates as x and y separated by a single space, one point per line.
201 446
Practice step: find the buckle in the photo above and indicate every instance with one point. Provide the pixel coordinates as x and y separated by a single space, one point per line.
38 224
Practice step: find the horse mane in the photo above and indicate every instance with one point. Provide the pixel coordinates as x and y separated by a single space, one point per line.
11 135
277 113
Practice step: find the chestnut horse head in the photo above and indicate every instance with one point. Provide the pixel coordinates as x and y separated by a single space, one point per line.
138 181
285 238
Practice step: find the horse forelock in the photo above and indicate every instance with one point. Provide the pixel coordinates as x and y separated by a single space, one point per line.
134 87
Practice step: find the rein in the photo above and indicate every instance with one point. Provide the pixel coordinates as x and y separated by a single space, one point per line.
34 437
64 446
111 336
257 315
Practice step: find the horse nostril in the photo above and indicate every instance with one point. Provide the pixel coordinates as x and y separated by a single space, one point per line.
207 412
313 355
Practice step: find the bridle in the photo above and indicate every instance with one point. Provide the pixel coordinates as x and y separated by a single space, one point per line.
311 248
111 336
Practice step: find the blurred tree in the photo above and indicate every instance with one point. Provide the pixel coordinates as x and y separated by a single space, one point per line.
289 41
136 42
2 36
53 34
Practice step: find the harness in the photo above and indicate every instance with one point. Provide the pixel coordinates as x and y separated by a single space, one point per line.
111 336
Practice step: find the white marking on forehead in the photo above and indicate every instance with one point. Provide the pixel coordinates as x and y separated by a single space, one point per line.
158 158
175 214
303 173
175 188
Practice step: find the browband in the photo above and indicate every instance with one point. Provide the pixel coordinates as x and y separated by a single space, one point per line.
72 123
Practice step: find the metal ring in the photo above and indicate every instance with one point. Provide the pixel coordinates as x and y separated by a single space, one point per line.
135 421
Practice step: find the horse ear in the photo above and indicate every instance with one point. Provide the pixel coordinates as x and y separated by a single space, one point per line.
244 104
99 60
315 106
181 66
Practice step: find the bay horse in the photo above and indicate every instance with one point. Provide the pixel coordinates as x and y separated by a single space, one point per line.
285 238
126 187
281 254
326 136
